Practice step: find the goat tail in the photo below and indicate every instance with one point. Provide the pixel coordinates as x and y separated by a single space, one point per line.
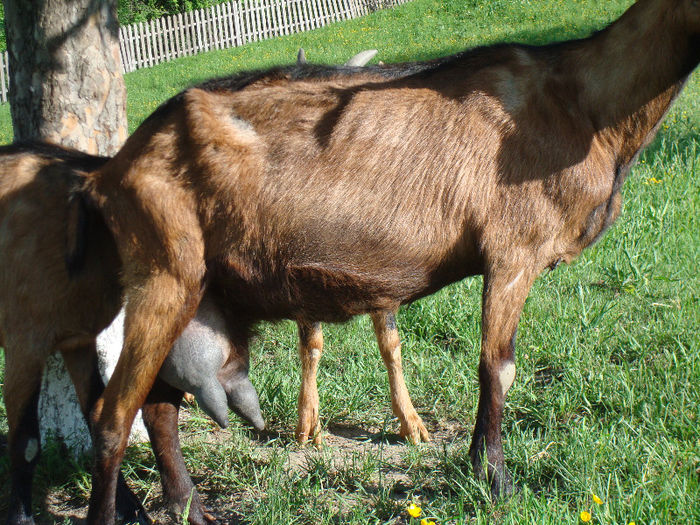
76 232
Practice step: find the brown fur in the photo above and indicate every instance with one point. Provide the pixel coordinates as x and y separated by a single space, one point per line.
43 309
322 193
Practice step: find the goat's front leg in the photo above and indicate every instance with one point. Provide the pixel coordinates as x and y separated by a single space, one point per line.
159 307
310 350
504 294
412 427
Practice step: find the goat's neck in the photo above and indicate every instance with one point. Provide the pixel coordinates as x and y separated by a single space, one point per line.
630 73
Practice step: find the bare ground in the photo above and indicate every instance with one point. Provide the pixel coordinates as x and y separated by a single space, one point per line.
342 446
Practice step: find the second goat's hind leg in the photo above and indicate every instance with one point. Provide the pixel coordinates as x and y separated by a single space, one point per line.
310 349
160 414
412 427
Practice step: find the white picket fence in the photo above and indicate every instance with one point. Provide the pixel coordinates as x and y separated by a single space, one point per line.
225 25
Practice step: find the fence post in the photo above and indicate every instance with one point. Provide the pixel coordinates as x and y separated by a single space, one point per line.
4 59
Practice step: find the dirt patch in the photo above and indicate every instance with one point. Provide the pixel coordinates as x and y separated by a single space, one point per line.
348 454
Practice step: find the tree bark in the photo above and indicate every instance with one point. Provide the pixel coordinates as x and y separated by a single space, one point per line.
66 87
65 79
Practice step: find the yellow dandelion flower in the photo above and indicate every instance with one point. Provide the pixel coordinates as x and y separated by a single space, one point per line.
631 523
585 516
425 521
597 500
414 510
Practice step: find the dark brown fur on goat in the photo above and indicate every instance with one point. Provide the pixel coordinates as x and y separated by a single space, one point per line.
322 193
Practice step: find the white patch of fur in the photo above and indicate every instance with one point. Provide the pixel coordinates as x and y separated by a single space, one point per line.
509 91
315 354
506 376
514 281
31 450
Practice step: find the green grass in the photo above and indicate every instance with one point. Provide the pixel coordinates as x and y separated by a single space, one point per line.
607 395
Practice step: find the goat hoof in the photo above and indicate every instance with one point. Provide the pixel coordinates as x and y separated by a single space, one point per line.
501 486
414 431
198 516
129 508
308 428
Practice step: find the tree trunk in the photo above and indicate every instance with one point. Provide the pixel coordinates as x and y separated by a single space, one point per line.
65 79
66 87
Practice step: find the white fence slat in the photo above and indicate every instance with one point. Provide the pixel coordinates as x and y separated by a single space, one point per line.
287 10
221 35
122 51
306 14
225 26
180 35
145 41
323 4
206 30
264 32
258 24
333 10
245 7
234 33
211 26
281 19
296 16
321 12
272 20
169 47
158 37
197 30
4 79
137 45
194 40
238 23
313 14
130 42
149 43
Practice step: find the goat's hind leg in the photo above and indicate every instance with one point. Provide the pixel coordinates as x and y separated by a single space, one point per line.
412 427
23 371
82 365
310 350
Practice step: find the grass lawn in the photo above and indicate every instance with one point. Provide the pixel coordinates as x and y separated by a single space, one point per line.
607 395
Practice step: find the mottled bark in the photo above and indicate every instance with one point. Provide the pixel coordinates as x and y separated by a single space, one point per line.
65 80
66 87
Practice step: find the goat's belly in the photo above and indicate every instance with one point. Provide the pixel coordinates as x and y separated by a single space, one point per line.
317 293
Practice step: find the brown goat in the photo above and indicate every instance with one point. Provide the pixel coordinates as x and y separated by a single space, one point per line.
44 309
322 193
